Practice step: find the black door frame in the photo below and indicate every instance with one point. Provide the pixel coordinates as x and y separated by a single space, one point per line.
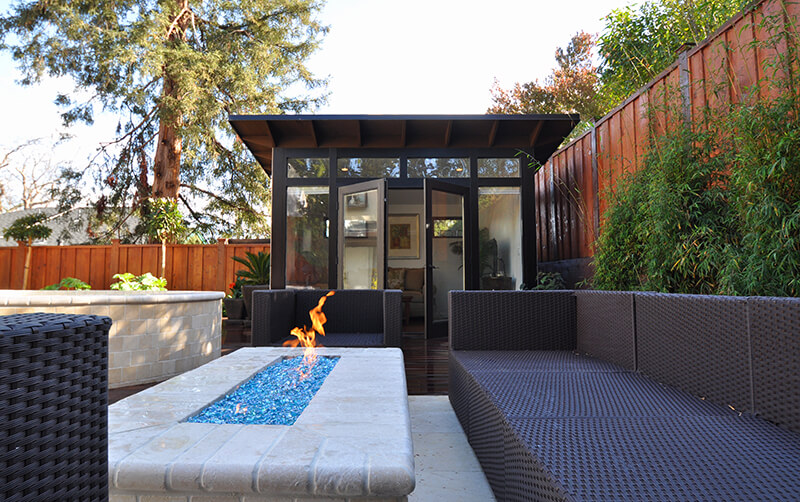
378 185
280 182
469 228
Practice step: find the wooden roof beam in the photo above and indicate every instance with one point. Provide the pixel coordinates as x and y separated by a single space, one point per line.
493 132
269 133
403 124
537 129
359 137
448 133
263 141
312 131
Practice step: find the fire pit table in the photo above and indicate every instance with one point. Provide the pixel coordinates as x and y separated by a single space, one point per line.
352 441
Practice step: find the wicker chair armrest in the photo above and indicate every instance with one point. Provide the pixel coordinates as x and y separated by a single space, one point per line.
272 316
392 317
512 320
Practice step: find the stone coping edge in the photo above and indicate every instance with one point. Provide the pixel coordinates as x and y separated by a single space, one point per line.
26 298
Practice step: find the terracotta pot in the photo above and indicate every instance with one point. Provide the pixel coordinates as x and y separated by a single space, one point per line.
234 307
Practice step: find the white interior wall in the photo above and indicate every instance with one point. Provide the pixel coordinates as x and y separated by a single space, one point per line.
504 221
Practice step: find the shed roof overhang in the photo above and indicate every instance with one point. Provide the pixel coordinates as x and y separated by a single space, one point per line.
537 134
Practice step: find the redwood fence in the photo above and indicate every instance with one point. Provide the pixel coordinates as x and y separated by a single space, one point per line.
735 63
188 267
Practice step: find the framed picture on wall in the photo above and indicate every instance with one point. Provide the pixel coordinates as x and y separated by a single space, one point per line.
403 236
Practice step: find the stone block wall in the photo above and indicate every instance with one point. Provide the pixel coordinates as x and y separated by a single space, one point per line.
154 335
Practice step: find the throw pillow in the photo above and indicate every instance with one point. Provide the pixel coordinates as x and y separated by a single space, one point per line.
415 278
396 279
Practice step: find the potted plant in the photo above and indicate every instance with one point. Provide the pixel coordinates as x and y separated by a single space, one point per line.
233 302
254 276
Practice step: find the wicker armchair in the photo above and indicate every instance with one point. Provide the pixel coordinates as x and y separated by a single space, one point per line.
356 318
53 407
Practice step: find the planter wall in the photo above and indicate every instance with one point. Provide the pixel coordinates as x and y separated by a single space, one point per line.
155 334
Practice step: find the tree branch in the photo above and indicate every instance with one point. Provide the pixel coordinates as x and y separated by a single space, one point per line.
221 199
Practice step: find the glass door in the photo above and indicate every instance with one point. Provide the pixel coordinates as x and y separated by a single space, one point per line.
448 250
362 235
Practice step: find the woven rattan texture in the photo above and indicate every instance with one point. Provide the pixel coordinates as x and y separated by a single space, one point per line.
272 316
621 394
696 343
350 311
53 407
486 438
461 389
393 317
606 326
526 478
678 458
531 360
512 320
775 342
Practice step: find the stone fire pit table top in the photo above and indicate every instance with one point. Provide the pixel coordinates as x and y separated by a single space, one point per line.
352 441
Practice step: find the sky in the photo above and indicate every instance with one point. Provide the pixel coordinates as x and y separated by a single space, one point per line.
380 56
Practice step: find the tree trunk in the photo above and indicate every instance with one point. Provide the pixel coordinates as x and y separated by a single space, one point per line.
167 163
163 258
26 272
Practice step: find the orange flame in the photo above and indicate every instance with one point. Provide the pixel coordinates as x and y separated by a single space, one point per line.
306 338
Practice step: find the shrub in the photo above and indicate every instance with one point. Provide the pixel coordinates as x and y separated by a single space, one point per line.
68 283
146 282
257 271
670 227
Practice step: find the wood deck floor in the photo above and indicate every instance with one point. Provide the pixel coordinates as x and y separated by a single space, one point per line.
425 361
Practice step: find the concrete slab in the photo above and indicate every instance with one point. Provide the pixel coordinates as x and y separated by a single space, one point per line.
446 468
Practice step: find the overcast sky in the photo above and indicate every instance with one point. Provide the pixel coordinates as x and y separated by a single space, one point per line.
382 57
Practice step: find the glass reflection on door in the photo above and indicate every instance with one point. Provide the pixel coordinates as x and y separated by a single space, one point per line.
360 248
447 259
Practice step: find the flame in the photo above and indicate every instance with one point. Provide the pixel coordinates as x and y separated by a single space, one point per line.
306 338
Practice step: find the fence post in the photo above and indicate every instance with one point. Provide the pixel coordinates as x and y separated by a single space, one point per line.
221 244
113 261
595 185
684 79
19 271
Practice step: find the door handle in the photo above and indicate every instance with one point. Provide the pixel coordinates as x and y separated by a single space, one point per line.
432 266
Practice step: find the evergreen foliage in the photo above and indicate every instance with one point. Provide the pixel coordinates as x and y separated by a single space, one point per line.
28 228
172 70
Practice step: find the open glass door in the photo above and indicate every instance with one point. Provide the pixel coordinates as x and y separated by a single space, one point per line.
447 250
362 235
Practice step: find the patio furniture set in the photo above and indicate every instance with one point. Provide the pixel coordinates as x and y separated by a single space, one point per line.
594 395
566 395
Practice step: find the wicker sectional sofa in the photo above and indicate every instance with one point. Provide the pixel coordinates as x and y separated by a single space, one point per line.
593 395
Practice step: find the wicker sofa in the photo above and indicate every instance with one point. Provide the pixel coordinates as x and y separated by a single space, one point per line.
592 395
355 317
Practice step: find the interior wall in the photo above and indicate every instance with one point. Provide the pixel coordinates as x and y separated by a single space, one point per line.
504 221
408 201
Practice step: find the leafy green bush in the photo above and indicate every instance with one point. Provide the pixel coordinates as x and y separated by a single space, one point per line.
766 198
146 282
711 211
257 271
68 283
546 281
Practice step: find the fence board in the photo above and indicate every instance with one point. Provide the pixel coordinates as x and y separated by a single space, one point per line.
722 69
189 266
5 266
